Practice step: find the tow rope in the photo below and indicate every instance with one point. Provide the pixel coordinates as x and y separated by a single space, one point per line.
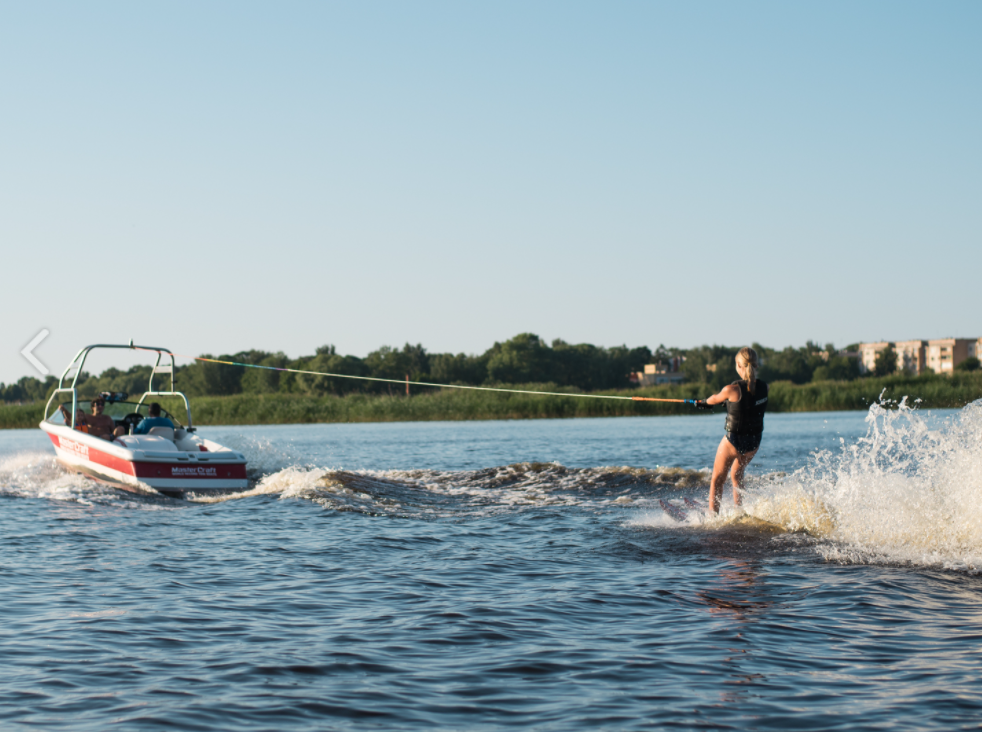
407 382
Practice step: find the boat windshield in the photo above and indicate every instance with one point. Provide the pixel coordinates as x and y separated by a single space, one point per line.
117 410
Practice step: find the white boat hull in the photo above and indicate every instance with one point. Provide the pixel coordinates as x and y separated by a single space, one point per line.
134 467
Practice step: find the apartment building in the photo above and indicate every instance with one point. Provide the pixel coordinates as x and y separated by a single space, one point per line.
911 356
944 354
941 355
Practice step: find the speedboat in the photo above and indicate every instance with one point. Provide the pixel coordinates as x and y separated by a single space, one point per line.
169 460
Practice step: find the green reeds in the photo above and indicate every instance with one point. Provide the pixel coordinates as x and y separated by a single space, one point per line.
17 416
453 404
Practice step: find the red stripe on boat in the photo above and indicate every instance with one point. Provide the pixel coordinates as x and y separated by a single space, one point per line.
186 469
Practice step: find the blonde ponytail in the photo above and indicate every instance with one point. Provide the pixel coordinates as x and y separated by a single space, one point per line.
747 360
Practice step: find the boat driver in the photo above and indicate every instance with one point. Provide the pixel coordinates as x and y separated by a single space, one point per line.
154 420
97 423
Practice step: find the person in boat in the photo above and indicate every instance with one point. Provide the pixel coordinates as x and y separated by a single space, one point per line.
152 420
97 423
746 402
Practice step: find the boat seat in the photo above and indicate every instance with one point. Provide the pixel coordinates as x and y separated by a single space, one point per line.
167 432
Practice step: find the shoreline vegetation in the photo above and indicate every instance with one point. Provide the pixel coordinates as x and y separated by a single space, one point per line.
431 404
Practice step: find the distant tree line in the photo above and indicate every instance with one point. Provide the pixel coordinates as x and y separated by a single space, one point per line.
714 365
27 389
524 359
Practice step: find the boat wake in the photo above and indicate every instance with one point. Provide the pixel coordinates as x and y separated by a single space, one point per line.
434 493
405 493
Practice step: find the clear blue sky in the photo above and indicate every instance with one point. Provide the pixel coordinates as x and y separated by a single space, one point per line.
219 176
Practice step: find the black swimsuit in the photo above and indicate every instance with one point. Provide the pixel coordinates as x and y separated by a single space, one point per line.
745 418
744 443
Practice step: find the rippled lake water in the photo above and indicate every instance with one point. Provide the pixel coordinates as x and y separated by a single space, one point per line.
554 575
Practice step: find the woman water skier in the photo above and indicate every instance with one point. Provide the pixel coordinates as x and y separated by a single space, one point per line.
746 402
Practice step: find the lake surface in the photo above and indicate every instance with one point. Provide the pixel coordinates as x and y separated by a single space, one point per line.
551 575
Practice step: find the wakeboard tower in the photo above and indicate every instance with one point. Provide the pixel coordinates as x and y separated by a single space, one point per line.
172 461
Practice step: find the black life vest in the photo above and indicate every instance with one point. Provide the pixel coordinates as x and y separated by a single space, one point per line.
746 417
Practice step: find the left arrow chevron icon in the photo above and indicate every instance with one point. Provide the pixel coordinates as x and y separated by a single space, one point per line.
27 351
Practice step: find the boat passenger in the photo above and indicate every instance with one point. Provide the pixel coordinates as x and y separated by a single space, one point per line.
153 420
746 402
97 423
